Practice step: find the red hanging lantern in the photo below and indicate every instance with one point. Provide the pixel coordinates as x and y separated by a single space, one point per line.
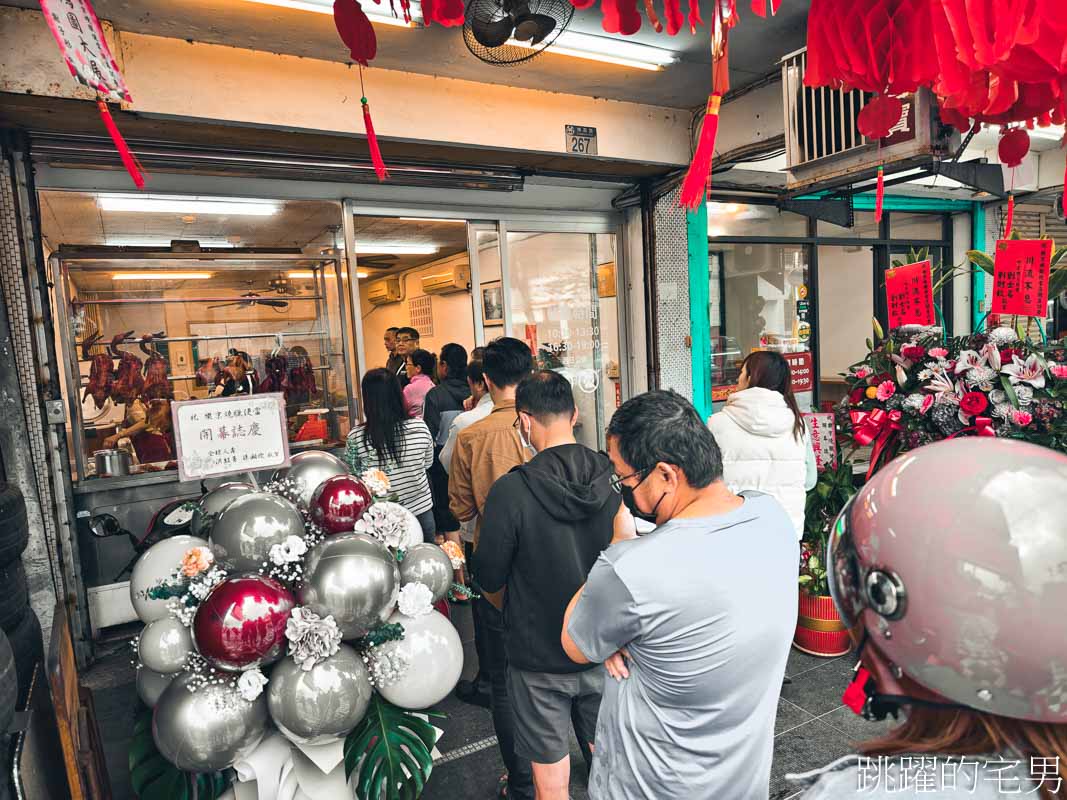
1013 146
878 117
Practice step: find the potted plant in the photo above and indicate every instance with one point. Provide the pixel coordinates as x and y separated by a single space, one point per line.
820 631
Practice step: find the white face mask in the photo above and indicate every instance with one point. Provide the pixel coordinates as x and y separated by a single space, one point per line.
525 438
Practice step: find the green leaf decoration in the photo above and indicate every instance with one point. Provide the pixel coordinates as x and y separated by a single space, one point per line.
980 259
1058 254
155 778
391 750
1009 390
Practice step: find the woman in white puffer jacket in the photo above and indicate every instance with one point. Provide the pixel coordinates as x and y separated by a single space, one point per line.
764 442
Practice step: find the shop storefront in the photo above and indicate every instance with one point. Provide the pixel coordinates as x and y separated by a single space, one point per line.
168 297
809 289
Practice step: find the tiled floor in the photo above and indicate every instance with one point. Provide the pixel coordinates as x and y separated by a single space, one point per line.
812 727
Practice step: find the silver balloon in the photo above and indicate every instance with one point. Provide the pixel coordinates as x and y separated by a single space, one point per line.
158 562
310 469
433 652
212 504
321 704
354 578
150 685
206 730
164 645
429 565
249 526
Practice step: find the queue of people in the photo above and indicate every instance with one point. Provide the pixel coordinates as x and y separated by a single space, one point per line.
665 652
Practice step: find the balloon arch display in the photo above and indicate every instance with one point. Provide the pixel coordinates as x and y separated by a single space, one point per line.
291 646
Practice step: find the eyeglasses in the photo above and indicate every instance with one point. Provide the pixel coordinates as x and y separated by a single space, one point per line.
617 480
405 339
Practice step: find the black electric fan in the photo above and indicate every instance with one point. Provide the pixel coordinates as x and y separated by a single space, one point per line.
492 26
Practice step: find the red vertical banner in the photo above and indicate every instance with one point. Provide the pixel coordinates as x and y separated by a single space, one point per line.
1020 277
909 295
531 338
823 439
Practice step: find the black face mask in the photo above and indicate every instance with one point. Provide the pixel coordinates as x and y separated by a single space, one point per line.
630 502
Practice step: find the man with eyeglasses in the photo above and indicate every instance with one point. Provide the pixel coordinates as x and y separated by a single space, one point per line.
407 342
545 524
693 621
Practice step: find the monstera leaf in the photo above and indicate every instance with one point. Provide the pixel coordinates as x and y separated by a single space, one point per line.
155 778
391 752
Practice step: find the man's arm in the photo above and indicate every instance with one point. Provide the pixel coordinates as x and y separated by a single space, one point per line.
445 456
460 486
602 617
491 562
431 414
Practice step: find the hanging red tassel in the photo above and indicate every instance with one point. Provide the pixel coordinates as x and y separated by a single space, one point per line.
372 143
653 18
1010 217
129 160
696 179
879 195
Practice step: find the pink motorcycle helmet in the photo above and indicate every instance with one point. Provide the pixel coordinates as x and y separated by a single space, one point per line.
953 559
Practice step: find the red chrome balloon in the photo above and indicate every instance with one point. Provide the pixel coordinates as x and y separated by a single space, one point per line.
241 624
339 502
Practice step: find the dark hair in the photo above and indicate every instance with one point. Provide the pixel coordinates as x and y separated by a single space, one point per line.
424 360
545 394
478 354
663 426
769 370
383 406
408 331
393 328
474 372
454 357
507 361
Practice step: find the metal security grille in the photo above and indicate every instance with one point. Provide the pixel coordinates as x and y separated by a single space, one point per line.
672 295
820 122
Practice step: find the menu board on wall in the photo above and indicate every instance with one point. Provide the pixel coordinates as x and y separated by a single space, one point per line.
1020 277
801 375
910 295
230 435
823 439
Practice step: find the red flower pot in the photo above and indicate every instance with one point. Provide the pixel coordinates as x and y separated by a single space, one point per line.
820 631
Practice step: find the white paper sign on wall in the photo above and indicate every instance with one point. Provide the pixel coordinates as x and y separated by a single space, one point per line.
230 435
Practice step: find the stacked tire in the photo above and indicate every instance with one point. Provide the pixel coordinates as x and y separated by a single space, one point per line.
17 620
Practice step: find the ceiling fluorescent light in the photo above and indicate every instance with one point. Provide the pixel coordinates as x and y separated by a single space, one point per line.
387 248
326 7
432 219
299 274
607 50
178 204
134 241
161 276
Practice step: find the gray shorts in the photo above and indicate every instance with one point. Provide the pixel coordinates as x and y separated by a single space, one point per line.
543 703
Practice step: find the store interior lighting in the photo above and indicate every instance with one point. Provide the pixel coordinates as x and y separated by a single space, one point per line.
161 276
306 274
165 244
326 7
179 204
606 50
390 248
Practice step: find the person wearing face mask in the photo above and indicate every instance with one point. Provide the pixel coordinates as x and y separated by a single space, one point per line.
545 524
694 621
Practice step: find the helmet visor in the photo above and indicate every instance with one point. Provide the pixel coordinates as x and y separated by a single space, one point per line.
844 573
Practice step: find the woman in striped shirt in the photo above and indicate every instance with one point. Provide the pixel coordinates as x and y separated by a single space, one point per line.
399 446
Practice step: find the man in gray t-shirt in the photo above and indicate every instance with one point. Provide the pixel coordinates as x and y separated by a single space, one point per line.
702 610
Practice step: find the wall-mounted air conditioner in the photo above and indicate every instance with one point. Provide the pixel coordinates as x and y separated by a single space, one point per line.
447 280
386 290
823 144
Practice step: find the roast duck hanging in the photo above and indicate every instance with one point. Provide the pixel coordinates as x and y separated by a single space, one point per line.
101 377
156 384
128 383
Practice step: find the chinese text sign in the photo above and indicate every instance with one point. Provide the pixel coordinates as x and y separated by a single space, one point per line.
81 41
1020 277
909 295
229 435
823 439
801 376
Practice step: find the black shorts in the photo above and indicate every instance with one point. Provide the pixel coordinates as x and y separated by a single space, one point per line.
543 703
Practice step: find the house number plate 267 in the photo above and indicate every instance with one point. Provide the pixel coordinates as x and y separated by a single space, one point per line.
581 140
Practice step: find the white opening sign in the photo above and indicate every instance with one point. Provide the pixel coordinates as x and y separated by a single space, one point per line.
228 435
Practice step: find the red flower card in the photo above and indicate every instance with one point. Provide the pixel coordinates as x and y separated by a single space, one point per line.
909 295
1020 277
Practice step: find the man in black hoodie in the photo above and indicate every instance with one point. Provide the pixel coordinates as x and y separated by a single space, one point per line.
545 524
447 396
